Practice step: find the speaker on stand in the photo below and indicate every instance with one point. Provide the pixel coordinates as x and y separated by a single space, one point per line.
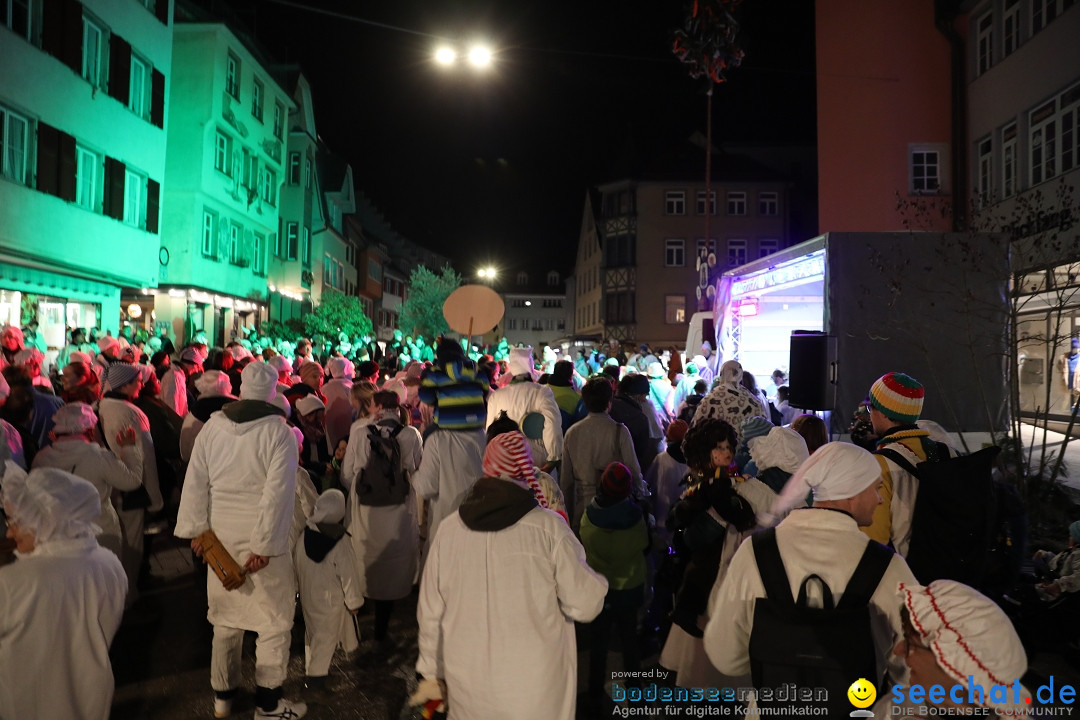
812 370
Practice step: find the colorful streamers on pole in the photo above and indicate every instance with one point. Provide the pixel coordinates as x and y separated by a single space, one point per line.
706 41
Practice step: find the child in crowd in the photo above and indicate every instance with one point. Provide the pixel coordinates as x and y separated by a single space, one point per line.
331 587
616 539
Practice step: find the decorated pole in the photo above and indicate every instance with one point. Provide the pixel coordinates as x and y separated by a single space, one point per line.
706 43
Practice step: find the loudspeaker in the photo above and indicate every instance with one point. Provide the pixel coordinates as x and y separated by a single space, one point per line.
811 360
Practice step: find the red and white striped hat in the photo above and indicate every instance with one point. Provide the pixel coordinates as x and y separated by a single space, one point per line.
970 636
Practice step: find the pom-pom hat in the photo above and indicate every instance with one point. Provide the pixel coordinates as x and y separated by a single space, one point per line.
898 397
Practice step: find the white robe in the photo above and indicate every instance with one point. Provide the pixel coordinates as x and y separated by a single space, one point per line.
451 464
823 542
104 470
241 482
62 605
118 415
386 539
496 617
328 590
520 399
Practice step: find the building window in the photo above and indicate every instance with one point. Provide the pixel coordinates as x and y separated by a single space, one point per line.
986 172
374 270
269 187
1010 27
1043 12
620 307
1008 161
294 168
16 15
306 246
702 247
552 278
736 203
292 239
984 43
222 150
522 278
139 87
1055 134
328 270
619 251
14 139
675 202
674 252
307 172
88 179
701 202
235 233
674 309
926 169
257 100
279 120
232 76
768 247
736 253
258 246
93 52
768 204
249 170
209 226
134 198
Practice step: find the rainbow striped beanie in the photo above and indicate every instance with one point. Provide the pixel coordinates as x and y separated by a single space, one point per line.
898 396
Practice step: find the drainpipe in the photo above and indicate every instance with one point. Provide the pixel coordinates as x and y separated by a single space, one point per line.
944 15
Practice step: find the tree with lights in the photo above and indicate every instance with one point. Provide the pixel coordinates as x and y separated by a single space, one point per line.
337 313
421 313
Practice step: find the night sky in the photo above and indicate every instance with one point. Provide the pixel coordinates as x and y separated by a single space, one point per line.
494 167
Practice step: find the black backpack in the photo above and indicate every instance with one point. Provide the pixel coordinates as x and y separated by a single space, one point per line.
382 481
826 647
954 524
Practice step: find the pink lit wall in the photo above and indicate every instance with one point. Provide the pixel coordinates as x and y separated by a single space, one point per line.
883 82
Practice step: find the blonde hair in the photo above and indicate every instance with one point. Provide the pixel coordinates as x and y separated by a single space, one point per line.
362 397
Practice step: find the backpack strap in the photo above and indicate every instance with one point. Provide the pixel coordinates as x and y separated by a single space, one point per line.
900 460
771 568
867 576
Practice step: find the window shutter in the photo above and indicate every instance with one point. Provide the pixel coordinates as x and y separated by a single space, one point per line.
119 68
52 28
161 10
66 167
157 96
114 188
71 48
48 159
153 199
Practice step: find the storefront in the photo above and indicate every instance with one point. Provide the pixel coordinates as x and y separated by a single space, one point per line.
58 302
217 319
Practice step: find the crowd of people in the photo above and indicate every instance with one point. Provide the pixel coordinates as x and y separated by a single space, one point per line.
650 494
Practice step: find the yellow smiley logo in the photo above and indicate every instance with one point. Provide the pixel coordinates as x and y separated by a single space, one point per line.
862 693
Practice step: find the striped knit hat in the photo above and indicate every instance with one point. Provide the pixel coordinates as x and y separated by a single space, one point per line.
615 481
898 396
507 456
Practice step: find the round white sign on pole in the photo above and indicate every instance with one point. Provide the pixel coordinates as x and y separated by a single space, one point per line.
473 309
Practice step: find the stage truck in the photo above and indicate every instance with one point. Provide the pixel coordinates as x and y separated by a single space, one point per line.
838 311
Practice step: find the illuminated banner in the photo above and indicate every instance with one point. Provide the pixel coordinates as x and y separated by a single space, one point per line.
809 267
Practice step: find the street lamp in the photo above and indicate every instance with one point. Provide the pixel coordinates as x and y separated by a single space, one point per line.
479 56
445 56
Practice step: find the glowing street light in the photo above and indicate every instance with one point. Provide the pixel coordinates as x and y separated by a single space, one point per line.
445 56
487 273
480 56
